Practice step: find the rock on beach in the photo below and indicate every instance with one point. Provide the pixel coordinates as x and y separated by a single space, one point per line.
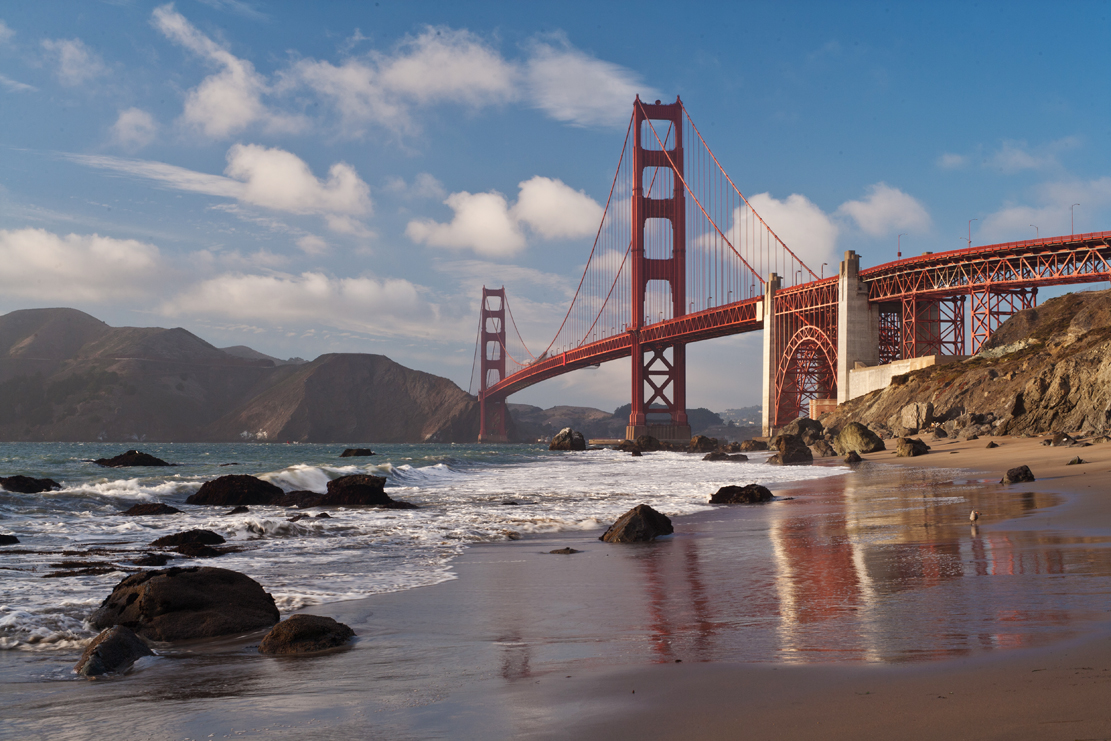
178 604
301 634
28 485
150 508
1017 475
638 525
131 458
112 652
750 494
234 490
568 439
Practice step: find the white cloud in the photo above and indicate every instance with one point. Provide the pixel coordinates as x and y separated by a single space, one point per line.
424 186
259 176
1016 156
76 63
486 223
482 223
1050 211
440 65
44 266
15 86
311 244
383 307
807 230
887 210
229 101
238 7
950 161
280 180
134 129
6 33
555 210
576 88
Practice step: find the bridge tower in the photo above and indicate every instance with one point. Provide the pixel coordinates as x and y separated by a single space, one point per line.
492 412
659 370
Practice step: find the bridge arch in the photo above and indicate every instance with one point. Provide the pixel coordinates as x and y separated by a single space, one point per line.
807 370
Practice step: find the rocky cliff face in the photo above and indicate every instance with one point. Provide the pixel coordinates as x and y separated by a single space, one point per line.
1046 369
66 376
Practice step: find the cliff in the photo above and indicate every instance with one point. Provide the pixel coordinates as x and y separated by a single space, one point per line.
66 376
1046 369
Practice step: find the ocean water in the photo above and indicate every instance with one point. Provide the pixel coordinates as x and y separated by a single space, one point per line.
75 545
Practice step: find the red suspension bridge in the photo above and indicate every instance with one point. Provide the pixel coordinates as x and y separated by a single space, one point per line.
680 256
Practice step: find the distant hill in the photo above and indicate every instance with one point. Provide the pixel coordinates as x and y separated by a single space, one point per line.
67 376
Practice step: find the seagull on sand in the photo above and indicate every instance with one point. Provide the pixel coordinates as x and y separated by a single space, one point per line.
974 516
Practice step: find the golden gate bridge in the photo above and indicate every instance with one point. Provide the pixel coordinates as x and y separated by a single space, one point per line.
680 256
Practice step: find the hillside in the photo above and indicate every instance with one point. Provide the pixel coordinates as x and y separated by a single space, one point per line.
66 376
1046 369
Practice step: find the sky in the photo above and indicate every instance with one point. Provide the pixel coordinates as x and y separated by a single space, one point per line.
346 176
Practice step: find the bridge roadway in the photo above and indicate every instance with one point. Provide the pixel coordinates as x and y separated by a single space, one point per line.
1081 258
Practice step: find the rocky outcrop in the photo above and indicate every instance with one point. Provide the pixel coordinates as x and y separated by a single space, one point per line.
856 437
151 559
791 450
806 429
131 458
356 453
201 537
702 444
753 445
302 634
647 443
568 439
6 539
236 489
27 485
1045 370
719 456
1017 475
853 457
150 508
750 494
822 449
909 447
112 652
638 525
178 604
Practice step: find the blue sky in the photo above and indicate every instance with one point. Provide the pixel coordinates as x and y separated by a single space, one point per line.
346 176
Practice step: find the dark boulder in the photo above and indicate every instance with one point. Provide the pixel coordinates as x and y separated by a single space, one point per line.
178 604
1017 475
564 551
200 537
720 456
791 451
820 448
151 559
640 524
240 510
302 634
8 540
131 458
1076 461
750 494
940 433
198 550
300 498
357 489
909 447
112 652
236 489
28 485
568 439
635 453
702 444
151 508
810 430
1059 440
991 444
356 453
627 446
647 443
853 457
754 445
855 436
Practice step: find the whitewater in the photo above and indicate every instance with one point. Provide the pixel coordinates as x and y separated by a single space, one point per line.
75 545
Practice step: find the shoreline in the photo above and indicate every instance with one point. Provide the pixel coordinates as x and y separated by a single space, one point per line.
527 644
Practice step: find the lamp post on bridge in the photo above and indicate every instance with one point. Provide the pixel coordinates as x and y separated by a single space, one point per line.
899 245
1037 232
1072 219
824 269
970 232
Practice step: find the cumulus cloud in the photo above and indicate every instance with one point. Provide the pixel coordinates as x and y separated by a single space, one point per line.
259 176
44 266
382 307
1049 210
576 88
230 100
805 228
487 224
886 210
15 86
439 65
311 244
424 185
134 129
1016 156
76 63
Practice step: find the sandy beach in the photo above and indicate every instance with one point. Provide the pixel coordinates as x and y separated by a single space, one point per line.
934 630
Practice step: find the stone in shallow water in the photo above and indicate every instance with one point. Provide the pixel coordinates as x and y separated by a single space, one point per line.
300 634
356 453
638 525
1017 475
750 494
236 489
131 458
564 551
202 537
112 652
28 485
8 540
151 508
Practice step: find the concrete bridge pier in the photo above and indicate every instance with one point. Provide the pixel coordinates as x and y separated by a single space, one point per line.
858 324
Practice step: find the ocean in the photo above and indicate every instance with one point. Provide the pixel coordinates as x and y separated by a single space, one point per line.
75 545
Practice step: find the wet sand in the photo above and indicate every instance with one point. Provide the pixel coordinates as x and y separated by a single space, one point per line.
864 607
